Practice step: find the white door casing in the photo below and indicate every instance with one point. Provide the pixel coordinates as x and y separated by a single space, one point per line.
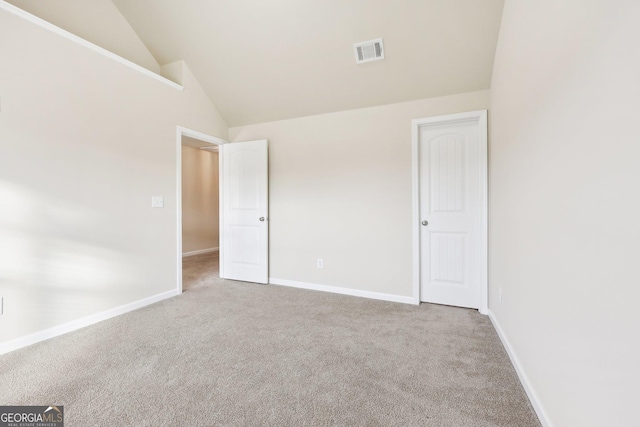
244 226
450 210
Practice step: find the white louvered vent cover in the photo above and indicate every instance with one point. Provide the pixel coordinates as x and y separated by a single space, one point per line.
368 51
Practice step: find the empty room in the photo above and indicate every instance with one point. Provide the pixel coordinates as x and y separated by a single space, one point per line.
319 213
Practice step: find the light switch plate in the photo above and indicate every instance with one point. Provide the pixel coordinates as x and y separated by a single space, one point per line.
157 202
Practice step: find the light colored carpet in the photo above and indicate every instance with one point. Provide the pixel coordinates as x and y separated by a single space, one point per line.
240 354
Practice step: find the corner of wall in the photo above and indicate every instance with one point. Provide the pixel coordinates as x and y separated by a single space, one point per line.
190 82
524 378
173 71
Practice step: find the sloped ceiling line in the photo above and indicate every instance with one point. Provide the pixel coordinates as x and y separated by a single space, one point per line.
262 61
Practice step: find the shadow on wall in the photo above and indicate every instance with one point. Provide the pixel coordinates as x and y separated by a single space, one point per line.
53 268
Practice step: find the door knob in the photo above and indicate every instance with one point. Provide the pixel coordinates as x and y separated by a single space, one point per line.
261 218
425 222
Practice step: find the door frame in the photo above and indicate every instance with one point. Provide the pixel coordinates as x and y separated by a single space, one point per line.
480 117
209 139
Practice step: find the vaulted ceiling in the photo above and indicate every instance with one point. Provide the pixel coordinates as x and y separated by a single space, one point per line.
269 60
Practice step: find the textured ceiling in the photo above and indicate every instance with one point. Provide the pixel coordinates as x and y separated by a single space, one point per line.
268 60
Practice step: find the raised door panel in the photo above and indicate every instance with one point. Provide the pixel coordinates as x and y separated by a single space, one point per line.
448 202
245 227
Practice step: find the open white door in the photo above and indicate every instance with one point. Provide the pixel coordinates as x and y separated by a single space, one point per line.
245 231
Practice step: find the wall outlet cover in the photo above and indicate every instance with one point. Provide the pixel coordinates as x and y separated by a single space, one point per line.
157 202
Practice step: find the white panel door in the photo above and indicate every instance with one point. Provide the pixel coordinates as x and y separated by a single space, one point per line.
450 213
245 233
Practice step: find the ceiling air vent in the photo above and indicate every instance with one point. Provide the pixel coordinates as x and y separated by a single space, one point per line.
368 51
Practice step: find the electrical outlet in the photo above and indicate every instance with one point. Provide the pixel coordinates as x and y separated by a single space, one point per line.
320 263
1 305
500 295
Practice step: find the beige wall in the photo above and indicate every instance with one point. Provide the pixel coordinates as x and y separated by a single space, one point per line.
340 190
98 21
85 142
565 174
200 200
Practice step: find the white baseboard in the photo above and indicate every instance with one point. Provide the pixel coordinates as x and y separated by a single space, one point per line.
199 252
343 291
81 323
524 379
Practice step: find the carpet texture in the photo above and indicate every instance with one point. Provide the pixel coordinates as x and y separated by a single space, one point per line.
240 354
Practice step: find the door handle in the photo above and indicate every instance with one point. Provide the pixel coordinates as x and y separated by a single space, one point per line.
425 223
261 218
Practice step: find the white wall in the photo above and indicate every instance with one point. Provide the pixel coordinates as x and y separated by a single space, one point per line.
565 205
340 190
98 21
200 200
85 142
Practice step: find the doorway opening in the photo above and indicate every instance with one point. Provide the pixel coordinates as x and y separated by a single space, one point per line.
198 204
